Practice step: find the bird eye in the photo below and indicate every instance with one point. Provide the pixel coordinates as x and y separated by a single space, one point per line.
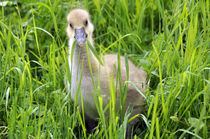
86 22
71 25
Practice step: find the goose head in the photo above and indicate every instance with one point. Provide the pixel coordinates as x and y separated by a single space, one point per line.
79 27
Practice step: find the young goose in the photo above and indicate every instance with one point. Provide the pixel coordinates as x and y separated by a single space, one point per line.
79 30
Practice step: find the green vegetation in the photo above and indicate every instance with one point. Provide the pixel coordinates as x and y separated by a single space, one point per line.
169 39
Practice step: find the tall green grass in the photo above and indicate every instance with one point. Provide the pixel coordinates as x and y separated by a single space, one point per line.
169 39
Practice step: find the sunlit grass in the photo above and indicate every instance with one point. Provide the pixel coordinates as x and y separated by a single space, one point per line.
170 40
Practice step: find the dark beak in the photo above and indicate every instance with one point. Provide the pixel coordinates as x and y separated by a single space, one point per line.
80 36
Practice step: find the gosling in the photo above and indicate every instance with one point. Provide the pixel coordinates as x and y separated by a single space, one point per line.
79 30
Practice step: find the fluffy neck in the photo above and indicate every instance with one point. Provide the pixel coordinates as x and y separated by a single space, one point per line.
80 57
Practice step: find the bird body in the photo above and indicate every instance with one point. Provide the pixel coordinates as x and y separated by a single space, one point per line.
79 29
